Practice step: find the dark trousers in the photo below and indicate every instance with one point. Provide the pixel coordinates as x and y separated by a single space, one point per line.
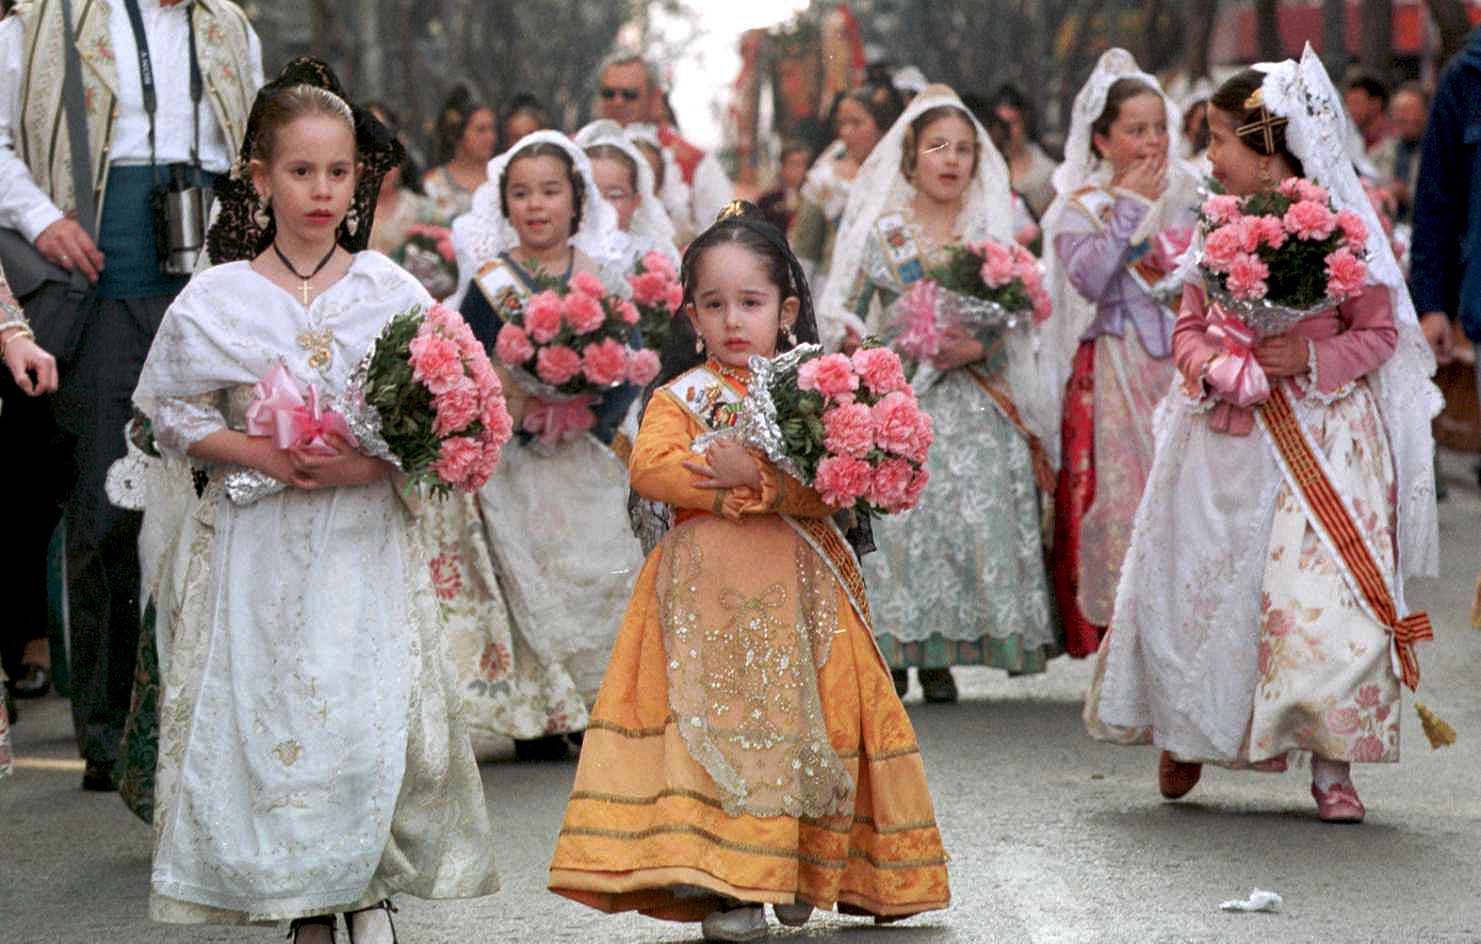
103 540
36 474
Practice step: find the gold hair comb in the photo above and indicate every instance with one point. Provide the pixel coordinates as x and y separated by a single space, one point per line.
1265 124
732 209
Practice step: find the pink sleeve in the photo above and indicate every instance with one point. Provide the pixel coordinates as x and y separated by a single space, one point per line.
1191 348
1367 341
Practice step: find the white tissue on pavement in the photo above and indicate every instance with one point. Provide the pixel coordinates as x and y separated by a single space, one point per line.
1259 900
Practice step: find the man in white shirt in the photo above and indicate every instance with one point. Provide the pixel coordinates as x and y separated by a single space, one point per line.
192 140
629 92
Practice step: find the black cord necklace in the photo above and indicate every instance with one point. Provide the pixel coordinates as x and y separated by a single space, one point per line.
303 288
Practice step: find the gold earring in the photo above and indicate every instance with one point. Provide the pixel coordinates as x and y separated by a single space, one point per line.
260 215
1266 177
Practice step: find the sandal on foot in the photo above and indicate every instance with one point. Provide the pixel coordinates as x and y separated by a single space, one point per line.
1338 803
320 921
746 923
383 905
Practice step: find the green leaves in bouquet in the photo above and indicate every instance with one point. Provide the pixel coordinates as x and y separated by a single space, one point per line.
1299 280
962 273
405 407
800 416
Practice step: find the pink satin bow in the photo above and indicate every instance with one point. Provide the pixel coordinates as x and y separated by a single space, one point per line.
293 416
555 422
1235 375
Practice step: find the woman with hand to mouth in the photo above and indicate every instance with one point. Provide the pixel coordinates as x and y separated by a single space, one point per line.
960 580
1125 213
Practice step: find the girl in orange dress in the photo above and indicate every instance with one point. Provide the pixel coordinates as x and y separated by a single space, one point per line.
747 745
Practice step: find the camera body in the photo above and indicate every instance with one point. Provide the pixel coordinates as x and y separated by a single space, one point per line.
181 206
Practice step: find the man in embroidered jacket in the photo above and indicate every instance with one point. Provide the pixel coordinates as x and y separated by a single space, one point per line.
131 293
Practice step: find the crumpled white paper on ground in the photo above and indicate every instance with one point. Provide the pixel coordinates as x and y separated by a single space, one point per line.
1259 900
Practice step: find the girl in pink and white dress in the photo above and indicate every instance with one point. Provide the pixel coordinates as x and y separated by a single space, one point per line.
1261 608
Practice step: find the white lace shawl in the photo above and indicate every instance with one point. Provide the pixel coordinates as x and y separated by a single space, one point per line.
650 227
1059 337
987 209
823 187
1317 135
481 234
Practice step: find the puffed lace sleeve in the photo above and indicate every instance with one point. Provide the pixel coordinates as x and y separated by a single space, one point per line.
181 422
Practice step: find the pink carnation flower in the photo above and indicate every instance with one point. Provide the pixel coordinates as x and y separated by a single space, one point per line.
1043 305
588 284
513 346
456 408
917 486
673 296
445 249
890 489
456 458
1354 230
1271 231
842 480
436 362
656 261
832 375
557 364
642 367
1346 274
1308 219
628 312
605 362
849 430
1247 277
649 288
543 317
897 425
1222 247
997 266
482 468
498 425
1299 188
583 312
880 368
1222 208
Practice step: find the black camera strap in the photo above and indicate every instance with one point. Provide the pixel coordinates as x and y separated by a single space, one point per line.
146 82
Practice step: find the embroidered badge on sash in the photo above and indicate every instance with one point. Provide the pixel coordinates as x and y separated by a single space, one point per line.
900 250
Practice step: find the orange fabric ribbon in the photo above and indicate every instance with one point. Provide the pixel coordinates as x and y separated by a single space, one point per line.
1322 497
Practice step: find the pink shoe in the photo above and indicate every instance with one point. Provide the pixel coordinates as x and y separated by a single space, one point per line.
1339 803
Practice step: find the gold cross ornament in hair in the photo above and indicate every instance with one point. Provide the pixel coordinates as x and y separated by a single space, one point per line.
1265 124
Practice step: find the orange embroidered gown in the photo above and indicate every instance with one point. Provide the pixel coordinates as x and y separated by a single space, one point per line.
747 741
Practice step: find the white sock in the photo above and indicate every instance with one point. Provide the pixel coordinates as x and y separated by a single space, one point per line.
372 926
1326 774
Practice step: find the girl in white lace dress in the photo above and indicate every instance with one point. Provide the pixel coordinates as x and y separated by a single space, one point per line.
311 759
1261 609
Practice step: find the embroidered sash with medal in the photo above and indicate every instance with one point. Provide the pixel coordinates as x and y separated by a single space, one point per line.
715 404
1147 267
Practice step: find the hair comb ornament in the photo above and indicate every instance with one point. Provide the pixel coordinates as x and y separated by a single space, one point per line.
1264 125
733 209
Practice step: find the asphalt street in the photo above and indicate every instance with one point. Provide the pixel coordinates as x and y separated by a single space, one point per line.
1053 837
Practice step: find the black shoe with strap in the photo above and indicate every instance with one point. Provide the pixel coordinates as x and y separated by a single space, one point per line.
323 921
383 905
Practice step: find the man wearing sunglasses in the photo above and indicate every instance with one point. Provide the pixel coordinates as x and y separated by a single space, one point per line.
629 92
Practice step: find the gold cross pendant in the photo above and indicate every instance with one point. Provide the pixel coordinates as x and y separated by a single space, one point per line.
303 289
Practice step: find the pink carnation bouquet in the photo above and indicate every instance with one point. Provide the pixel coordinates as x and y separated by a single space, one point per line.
428 255
425 398
1277 256
848 426
1270 260
568 350
982 286
657 295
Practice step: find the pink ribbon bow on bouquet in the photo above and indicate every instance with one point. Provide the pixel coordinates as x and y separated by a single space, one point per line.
555 421
293 416
1235 374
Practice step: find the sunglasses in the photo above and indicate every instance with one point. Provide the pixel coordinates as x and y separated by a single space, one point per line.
627 94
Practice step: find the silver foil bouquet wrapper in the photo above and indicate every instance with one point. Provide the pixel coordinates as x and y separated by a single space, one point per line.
245 486
429 268
756 423
1264 318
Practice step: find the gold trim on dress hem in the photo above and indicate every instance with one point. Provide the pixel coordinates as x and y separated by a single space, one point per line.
745 847
824 824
